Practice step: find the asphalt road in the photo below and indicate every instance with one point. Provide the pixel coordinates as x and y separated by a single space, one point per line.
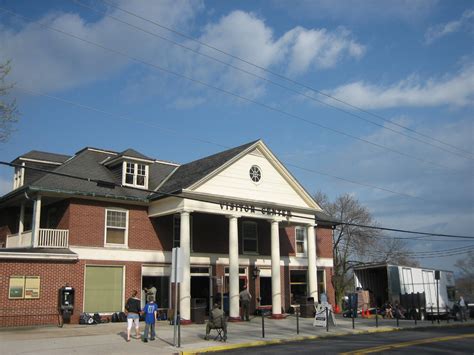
459 340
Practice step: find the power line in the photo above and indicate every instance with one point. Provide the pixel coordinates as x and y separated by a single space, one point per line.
230 93
105 14
109 184
305 86
179 134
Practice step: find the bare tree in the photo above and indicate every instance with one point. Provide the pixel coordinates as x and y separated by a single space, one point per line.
354 244
465 280
8 107
350 242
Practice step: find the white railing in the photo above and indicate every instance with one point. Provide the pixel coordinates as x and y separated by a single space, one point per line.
47 238
53 238
22 240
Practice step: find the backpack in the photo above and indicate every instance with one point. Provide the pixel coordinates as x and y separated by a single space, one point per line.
122 317
115 317
86 318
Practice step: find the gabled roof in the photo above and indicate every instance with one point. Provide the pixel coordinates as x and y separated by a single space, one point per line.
132 153
43 156
190 173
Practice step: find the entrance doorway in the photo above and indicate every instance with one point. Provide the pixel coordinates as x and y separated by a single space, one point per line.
200 288
162 285
265 291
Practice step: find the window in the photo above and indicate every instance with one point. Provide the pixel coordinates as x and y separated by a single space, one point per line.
103 291
249 237
135 174
116 226
177 230
255 173
24 287
298 285
18 177
321 282
300 241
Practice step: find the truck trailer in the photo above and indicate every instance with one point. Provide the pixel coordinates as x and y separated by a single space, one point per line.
421 292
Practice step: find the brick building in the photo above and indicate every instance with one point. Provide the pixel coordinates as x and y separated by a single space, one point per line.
105 223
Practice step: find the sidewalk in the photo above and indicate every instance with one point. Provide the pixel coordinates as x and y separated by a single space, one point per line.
110 337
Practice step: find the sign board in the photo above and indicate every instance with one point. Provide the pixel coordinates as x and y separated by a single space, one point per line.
177 265
320 319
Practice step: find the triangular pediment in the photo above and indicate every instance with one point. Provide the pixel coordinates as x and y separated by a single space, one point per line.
235 180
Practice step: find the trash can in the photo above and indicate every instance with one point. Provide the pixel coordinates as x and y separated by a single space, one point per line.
306 307
198 310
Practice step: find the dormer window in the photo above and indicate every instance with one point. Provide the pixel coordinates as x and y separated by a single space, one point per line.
19 177
135 174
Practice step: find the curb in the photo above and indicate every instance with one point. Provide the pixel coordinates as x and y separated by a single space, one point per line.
313 337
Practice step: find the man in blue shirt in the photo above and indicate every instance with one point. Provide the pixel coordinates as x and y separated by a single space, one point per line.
150 310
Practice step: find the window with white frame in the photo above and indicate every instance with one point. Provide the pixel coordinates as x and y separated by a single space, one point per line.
300 241
177 231
116 227
249 237
18 177
135 174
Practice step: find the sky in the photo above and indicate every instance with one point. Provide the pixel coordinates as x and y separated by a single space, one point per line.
398 136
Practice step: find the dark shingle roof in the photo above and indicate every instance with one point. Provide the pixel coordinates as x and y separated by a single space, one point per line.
190 173
134 154
44 156
86 164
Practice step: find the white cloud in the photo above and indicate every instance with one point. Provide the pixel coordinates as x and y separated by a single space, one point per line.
47 61
436 32
454 90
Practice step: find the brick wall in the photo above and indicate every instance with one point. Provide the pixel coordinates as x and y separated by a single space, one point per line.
87 225
324 242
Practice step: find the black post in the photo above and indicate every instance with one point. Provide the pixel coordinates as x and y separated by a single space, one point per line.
297 311
415 315
398 315
352 316
327 320
437 297
179 330
432 314
376 317
447 314
263 325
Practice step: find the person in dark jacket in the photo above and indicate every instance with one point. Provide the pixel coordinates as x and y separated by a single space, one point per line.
133 314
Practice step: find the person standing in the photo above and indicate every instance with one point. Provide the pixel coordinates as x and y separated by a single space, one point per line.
151 293
245 298
150 311
133 314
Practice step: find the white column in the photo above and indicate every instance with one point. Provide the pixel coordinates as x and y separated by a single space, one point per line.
185 285
276 280
233 268
36 221
21 222
312 269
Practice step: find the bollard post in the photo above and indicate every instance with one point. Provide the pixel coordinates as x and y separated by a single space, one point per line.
416 316
376 317
179 331
447 314
263 325
432 314
352 316
297 311
327 320
398 316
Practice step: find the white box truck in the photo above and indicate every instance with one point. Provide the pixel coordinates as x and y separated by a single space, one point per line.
415 289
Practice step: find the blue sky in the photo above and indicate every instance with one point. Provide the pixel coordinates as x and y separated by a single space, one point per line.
408 62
